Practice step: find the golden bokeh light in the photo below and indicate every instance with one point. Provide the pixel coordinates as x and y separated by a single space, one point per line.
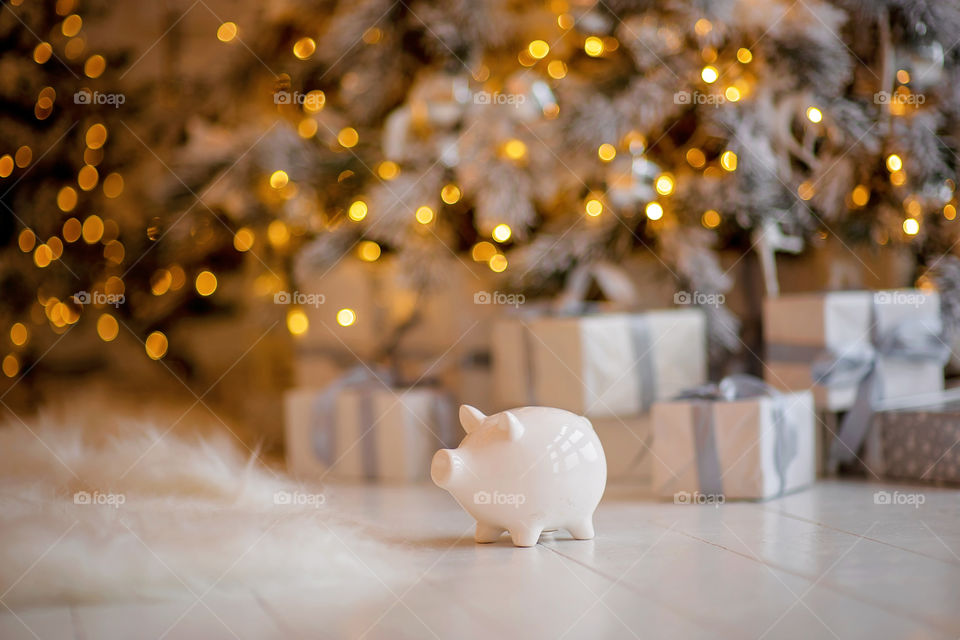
156 345
297 322
654 211
348 137
483 251
450 194
368 251
424 215
501 232
304 48
346 317
107 327
357 211
243 239
607 152
227 31
206 283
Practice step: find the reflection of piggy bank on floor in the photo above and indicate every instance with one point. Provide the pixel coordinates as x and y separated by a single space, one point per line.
525 471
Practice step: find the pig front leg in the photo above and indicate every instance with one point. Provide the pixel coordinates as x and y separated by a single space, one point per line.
582 530
487 533
525 535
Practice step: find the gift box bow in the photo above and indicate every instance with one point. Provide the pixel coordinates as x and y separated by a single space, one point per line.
730 389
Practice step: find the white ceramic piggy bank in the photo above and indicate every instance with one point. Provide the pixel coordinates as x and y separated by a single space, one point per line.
525 471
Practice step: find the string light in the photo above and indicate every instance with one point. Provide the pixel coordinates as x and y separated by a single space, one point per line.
814 114
654 211
346 317
227 32
450 194
206 283
424 215
501 232
894 163
357 211
607 152
728 160
156 345
593 46
297 322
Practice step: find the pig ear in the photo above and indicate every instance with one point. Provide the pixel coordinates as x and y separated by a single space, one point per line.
511 424
471 418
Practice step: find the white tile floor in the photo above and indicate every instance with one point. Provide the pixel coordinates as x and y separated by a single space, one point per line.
825 563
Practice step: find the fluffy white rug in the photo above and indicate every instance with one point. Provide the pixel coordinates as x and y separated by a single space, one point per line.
165 514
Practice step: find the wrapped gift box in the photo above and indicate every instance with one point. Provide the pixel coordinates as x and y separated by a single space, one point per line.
920 444
626 445
600 365
365 432
754 448
800 328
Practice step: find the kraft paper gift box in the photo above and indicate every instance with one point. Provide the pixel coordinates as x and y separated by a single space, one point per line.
626 445
800 328
752 448
600 365
366 433
920 443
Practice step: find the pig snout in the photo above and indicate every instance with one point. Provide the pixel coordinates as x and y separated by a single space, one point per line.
445 467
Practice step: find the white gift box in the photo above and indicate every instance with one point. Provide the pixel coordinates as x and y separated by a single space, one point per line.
599 365
739 449
799 327
626 445
366 433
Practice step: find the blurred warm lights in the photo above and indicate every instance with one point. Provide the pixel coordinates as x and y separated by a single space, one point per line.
348 137
501 232
357 211
368 251
911 226
297 322
732 94
19 334
71 25
664 184
696 158
156 345
11 366
307 128
278 234
6 165
96 136
67 199
346 317
113 185
709 74
243 239
538 49
593 46
894 163
702 27
92 229
388 170
107 327
805 190
557 69
94 66
814 114
498 263
710 219
897 178
279 179
27 239
728 160
88 177
42 52
860 195
515 149
304 48
160 282
593 207
450 194
949 211
654 211
227 32
424 215
744 55
903 76
607 152
206 283
483 251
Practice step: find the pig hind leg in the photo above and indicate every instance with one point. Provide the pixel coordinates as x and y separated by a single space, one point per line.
582 530
487 533
525 535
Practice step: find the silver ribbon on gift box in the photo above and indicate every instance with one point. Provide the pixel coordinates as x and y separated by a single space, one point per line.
729 389
366 381
912 339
